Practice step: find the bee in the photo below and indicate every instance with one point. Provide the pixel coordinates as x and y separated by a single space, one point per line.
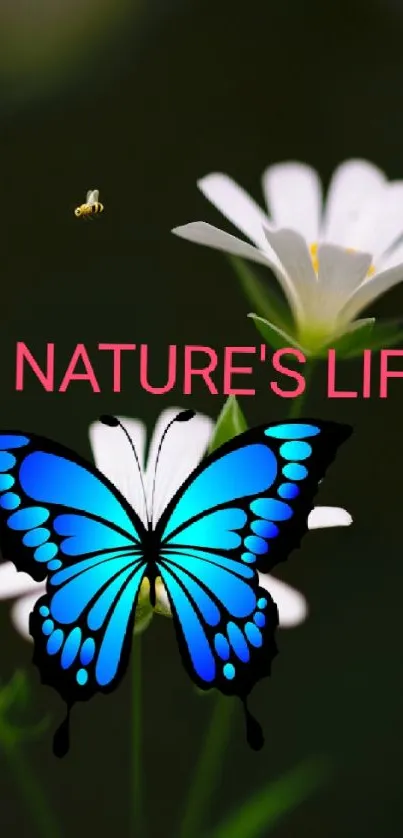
91 207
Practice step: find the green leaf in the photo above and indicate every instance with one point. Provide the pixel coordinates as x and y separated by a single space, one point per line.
262 811
230 423
272 335
354 336
262 295
383 334
352 341
365 334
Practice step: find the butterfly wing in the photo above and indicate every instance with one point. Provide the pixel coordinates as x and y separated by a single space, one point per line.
62 521
244 509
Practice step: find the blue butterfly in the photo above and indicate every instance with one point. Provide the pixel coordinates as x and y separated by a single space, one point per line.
242 510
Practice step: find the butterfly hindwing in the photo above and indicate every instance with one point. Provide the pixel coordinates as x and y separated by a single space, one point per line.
62 521
82 651
244 509
225 624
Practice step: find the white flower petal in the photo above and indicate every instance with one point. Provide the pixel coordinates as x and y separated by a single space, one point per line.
355 185
382 223
293 194
202 233
114 458
393 257
300 282
322 517
14 583
292 605
22 609
370 290
340 273
236 205
182 450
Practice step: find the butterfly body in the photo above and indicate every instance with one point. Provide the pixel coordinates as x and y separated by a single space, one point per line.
242 510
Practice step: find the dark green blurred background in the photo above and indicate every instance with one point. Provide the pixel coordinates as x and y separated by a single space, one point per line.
152 102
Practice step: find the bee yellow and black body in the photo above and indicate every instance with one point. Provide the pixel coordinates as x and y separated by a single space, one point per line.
86 210
96 208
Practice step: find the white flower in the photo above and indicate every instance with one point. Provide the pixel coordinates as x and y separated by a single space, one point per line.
182 451
332 260
21 588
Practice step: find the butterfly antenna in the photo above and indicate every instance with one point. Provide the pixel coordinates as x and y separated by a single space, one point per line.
113 422
183 416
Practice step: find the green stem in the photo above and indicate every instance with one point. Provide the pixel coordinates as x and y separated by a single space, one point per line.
299 403
30 788
208 767
138 826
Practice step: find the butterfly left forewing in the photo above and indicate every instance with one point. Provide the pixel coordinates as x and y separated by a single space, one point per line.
61 520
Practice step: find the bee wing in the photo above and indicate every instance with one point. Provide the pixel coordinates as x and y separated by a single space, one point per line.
92 196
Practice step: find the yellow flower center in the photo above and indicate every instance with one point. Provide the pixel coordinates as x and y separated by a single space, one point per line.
313 249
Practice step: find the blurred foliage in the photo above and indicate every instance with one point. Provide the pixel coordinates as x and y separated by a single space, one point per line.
261 813
15 700
46 43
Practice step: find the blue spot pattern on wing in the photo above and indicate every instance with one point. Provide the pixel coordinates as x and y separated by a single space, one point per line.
10 441
296 450
29 518
270 512
6 481
9 500
290 431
